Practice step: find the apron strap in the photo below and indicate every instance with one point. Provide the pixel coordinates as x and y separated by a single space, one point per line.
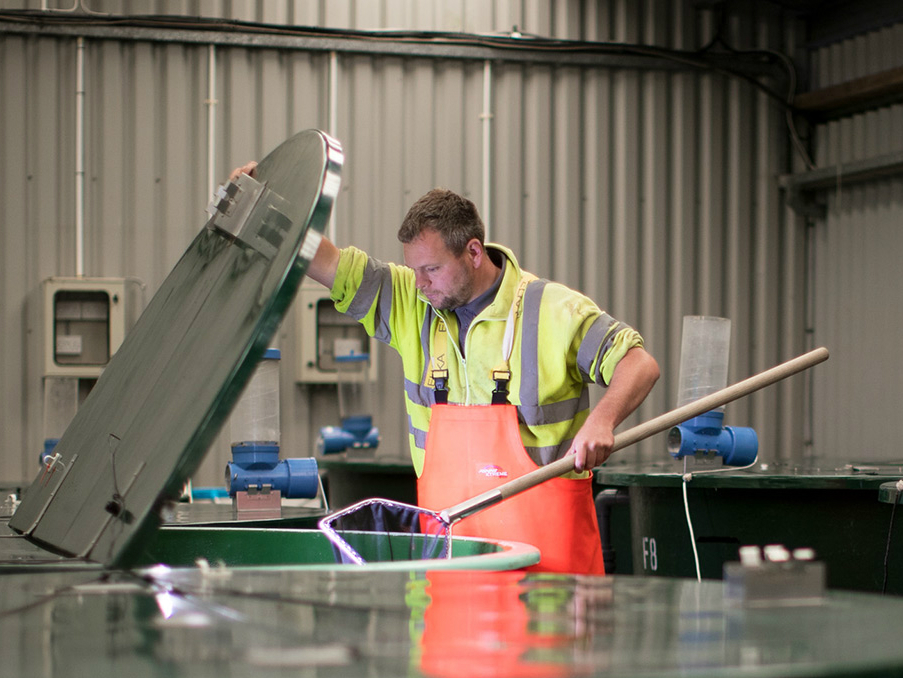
502 373
500 392
439 370
438 373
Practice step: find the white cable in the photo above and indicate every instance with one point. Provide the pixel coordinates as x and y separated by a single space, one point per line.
724 469
686 481
686 478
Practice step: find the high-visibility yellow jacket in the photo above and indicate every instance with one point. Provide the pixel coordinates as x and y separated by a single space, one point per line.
563 342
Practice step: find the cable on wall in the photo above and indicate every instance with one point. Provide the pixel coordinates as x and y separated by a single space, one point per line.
748 65
503 44
789 67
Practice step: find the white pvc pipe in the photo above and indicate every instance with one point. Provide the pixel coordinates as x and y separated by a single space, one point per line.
80 157
333 121
211 120
486 117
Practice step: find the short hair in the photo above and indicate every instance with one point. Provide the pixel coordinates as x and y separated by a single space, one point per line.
453 216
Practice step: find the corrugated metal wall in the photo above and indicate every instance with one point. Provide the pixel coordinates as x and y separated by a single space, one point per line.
651 190
858 289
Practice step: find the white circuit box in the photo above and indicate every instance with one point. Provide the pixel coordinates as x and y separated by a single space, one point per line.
326 337
84 324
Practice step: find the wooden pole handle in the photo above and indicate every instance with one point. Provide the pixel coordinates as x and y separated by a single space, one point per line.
640 432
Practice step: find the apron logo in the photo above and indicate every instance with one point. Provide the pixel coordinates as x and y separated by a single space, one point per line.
493 471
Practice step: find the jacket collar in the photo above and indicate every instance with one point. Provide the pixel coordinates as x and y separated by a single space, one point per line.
501 305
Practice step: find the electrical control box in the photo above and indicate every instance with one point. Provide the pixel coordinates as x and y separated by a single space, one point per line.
332 347
84 324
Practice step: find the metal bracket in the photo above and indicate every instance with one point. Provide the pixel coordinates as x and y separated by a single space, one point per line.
806 203
232 204
258 502
234 214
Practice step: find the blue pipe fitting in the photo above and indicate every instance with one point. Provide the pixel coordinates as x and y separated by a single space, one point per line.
357 432
255 465
737 445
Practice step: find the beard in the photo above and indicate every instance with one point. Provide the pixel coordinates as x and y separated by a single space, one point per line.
450 302
456 298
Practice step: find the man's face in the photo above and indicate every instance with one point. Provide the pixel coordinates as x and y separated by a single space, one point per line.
443 278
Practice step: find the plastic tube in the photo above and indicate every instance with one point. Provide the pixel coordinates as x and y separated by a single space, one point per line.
704 353
255 418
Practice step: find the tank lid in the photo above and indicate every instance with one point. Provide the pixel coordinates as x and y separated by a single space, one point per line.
171 385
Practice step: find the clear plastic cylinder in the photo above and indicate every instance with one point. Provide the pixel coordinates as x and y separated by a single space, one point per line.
255 418
60 405
704 353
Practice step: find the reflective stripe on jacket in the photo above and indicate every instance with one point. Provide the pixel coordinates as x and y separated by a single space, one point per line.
566 343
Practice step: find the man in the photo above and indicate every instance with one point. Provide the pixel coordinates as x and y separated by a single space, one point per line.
476 333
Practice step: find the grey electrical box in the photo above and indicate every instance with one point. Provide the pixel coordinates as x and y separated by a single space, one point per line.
84 324
332 347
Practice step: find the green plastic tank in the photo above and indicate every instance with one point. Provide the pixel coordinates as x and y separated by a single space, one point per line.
832 506
310 549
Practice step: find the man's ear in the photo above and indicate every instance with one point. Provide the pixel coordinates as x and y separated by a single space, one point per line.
475 251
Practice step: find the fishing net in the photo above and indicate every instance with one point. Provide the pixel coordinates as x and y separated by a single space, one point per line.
379 530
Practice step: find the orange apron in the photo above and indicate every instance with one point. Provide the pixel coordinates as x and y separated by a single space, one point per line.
471 449
474 448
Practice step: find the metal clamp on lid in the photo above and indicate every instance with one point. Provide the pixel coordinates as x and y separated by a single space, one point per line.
246 211
232 205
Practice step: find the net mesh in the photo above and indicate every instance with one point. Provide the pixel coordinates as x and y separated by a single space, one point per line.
380 530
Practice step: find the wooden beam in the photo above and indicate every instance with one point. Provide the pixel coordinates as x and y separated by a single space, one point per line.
870 90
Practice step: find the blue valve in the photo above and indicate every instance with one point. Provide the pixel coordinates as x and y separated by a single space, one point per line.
256 465
356 432
737 445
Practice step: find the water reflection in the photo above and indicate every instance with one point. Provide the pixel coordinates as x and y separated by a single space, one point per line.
490 624
330 624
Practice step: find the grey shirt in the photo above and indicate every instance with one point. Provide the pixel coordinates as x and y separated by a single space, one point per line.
471 309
